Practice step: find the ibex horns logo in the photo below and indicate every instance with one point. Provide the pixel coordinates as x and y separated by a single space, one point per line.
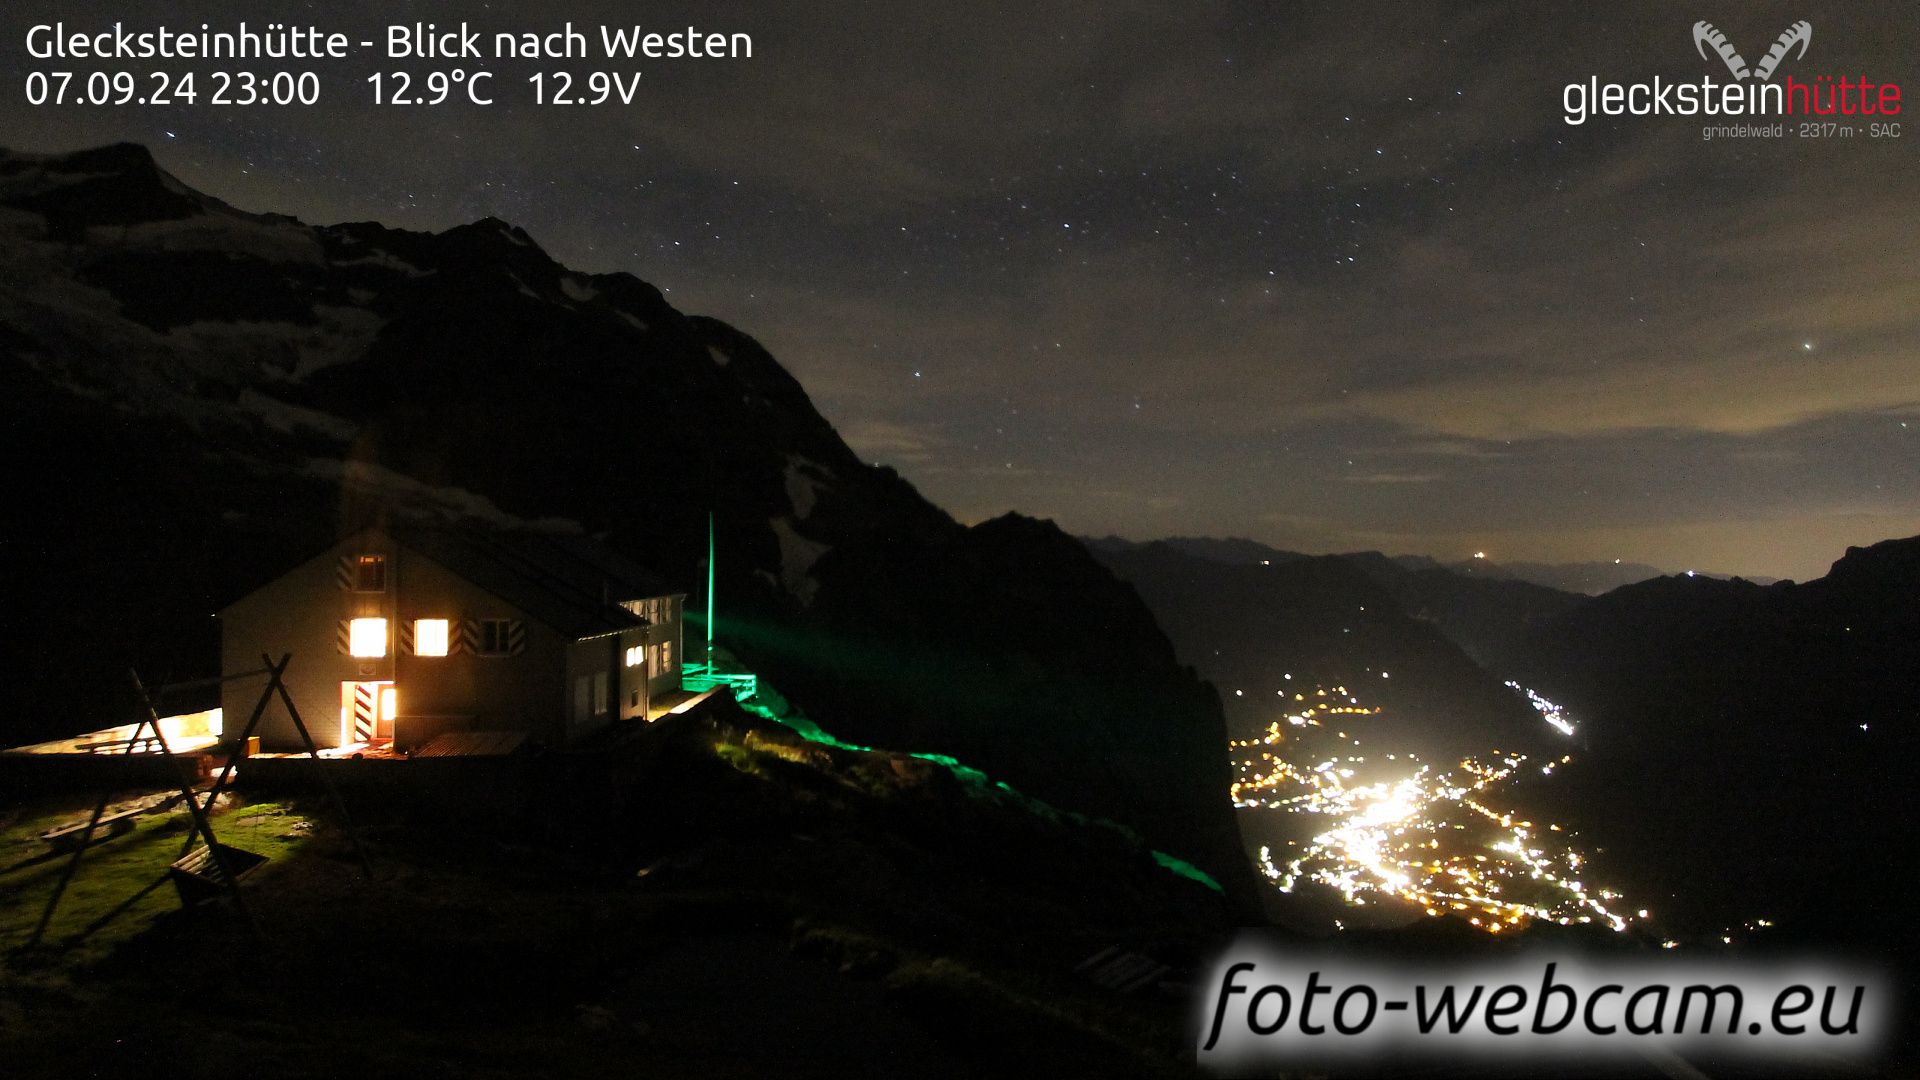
1705 34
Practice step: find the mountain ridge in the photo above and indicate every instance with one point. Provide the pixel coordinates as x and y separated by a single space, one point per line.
1589 578
201 391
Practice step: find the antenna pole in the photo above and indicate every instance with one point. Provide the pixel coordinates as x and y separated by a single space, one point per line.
709 592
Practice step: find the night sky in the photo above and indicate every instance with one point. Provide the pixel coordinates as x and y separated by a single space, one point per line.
1329 276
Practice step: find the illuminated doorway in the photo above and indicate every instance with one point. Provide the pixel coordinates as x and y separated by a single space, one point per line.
367 710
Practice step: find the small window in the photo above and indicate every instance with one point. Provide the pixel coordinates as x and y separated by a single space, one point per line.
496 637
599 692
370 573
581 688
430 637
666 656
367 638
634 656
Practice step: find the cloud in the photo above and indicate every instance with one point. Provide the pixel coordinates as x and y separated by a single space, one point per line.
885 441
1392 478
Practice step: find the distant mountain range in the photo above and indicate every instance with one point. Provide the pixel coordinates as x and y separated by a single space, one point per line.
1590 578
1262 632
198 397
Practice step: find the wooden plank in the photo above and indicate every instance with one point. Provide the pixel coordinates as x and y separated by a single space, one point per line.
210 871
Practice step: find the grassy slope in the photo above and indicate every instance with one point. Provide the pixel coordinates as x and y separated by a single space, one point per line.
803 911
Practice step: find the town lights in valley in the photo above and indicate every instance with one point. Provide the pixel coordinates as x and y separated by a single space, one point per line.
1397 829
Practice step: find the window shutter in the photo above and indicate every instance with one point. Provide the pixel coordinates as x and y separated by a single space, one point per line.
343 572
343 636
516 637
406 637
466 639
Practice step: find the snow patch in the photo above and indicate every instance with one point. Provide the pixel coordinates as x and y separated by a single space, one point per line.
797 557
343 334
804 479
39 178
281 349
30 182
281 416
525 290
637 323
720 356
281 243
384 260
427 502
578 290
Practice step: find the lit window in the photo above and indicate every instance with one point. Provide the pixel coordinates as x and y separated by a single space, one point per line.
634 656
367 638
429 637
389 703
370 573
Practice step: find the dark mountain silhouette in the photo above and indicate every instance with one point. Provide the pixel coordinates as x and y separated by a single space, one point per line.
199 396
1230 550
1584 578
1589 578
1488 617
1324 621
1755 737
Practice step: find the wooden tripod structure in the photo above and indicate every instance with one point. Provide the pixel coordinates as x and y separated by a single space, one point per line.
217 863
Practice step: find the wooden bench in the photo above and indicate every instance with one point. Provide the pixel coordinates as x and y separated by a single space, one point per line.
67 837
145 744
198 876
120 823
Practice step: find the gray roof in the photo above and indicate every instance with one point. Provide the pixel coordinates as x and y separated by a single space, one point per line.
570 582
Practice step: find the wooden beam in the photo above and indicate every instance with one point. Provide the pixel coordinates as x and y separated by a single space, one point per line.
313 752
195 684
202 817
259 708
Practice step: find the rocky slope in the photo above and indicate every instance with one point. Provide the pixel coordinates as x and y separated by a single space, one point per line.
199 396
